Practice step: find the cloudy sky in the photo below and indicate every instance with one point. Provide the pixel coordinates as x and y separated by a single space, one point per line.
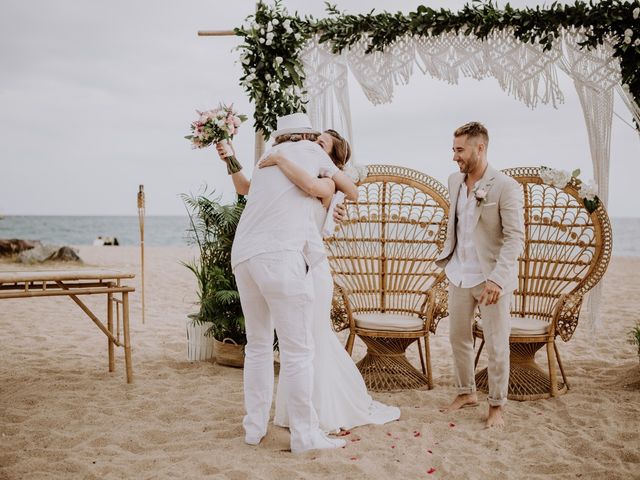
95 98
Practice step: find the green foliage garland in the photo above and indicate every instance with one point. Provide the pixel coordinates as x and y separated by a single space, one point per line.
273 74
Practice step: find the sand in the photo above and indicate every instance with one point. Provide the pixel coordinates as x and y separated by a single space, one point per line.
64 416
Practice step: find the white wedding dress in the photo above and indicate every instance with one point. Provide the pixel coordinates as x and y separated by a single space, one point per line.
340 395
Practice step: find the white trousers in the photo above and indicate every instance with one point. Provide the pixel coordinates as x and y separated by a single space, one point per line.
495 328
276 290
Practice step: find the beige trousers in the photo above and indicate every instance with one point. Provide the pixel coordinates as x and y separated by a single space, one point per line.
496 328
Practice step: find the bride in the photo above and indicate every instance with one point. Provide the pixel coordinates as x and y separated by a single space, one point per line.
340 396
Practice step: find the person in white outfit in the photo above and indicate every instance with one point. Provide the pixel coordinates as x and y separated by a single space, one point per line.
275 245
340 395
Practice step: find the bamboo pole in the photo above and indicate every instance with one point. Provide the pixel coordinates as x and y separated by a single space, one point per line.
127 337
216 33
260 143
64 291
92 316
112 360
141 212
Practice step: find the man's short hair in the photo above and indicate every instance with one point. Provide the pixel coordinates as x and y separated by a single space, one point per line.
473 130
295 137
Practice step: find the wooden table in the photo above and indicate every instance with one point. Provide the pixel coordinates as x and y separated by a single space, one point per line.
74 283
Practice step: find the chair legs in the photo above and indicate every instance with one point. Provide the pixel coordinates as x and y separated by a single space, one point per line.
527 381
349 346
381 351
564 377
553 378
427 354
421 357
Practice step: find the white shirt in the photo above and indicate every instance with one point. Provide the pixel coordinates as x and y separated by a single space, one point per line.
278 215
464 269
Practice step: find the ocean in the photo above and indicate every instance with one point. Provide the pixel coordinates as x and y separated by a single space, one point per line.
171 230
159 231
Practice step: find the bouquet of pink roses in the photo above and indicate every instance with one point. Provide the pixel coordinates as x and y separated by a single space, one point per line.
214 126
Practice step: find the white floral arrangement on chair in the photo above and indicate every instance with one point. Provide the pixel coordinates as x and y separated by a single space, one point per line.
588 191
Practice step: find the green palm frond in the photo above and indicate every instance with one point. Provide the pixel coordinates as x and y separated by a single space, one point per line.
212 228
228 297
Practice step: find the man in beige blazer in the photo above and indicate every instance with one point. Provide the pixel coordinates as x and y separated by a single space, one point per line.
485 236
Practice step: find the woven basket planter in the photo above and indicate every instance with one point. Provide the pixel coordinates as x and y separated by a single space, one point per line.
229 353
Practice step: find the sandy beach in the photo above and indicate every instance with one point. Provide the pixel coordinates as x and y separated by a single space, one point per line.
64 416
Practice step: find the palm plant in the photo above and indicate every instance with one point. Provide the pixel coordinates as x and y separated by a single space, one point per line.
635 337
212 228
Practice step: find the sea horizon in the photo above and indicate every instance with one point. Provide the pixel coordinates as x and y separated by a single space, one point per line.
171 230
79 230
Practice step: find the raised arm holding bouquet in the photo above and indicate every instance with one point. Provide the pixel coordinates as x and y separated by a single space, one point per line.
215 126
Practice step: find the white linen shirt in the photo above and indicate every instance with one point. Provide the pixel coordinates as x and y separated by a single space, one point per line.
278 215
464 269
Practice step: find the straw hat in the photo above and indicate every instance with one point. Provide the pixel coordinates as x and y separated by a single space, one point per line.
294 123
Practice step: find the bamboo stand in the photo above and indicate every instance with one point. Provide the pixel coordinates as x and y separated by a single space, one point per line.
141 221
259 138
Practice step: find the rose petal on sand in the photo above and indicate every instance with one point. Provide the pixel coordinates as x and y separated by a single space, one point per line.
452 424
416 434
430 452
431 470
354 458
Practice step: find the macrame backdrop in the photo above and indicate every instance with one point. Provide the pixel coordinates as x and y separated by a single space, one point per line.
523 70
327 89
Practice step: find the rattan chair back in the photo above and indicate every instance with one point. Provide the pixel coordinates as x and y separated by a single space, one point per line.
383 255
567 250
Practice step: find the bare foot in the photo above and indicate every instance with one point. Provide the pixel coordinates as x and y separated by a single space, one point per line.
461 401
494 419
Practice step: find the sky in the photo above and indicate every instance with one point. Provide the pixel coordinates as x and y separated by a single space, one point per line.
96 97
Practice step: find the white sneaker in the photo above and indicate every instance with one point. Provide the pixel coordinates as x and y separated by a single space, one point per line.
318 441
253 439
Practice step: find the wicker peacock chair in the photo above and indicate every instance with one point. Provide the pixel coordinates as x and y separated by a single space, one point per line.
388 290
567 250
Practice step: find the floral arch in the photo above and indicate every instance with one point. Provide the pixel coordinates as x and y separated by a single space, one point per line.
292 63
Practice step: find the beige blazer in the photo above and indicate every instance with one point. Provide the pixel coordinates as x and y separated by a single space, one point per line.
499 227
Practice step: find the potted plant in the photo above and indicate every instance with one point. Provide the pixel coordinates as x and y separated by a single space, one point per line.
212 229
635 338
